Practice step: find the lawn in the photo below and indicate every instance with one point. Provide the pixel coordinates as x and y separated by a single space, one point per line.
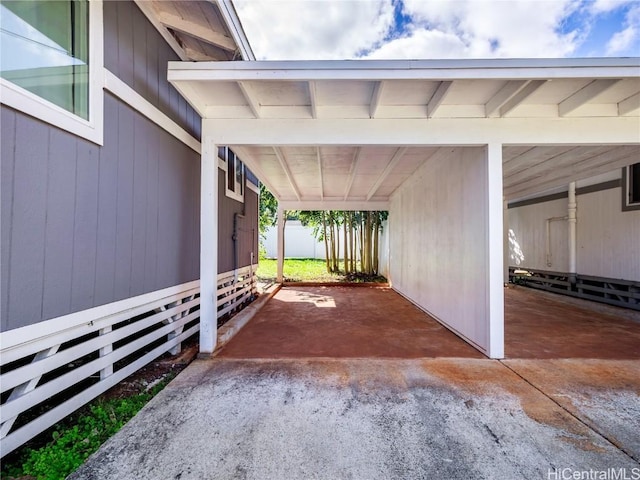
307 270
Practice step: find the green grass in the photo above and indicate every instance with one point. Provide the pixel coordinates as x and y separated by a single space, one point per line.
303 270
74 440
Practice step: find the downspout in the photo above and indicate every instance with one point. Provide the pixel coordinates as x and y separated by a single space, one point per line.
573 220
234 237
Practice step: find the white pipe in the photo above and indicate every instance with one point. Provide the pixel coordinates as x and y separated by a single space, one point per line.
572 209
548 242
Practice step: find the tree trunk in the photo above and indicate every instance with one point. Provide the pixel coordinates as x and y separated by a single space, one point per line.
375 242
326 242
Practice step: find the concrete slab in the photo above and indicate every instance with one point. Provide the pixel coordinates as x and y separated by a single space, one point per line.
545 325
604 394
344 322
352 419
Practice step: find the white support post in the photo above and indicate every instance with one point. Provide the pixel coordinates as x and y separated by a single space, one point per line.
106 350
571 214
495 251
281 214
208 245
505 240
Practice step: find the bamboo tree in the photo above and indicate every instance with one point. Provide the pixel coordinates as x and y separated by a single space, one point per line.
326 241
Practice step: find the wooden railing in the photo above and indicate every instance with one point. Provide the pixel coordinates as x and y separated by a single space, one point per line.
52 368
621 293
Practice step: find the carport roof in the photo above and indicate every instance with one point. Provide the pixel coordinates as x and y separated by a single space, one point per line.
347 134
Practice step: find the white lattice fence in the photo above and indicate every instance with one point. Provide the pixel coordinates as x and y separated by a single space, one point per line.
77 357
235 289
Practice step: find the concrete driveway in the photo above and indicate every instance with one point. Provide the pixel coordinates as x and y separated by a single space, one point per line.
379 419
359 384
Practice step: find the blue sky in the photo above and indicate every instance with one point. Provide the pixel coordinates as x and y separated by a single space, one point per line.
423 29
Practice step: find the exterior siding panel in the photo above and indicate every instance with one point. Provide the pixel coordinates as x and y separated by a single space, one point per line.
137 54
91 225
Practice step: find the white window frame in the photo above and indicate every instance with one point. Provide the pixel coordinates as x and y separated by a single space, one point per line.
627 205
27 102
224 165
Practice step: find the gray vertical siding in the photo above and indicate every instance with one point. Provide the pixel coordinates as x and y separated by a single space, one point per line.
84 225
247 227
137 54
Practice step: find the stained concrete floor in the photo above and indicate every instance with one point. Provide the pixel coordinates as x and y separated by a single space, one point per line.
364 416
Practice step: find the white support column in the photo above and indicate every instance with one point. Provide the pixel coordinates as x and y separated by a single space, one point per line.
571 214
281 213
505 239
495 251
208 244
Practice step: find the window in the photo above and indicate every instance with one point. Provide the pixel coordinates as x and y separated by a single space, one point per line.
234 173
50 65
631 187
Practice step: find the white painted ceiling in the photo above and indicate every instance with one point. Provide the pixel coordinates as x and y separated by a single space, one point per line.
321 91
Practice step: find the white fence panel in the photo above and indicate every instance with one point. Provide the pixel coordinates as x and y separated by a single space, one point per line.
84 354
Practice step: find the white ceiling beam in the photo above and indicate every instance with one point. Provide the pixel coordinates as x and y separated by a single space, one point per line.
521 96
378 89
529 158
438 97
320 173
435 131
255 167
586 93
352 172
152 15
502 96
353 205
629 105
388 169
437 70
313 97
250 97
612 160
194 29
287 171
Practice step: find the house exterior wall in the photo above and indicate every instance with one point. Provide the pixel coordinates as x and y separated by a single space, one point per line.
438 240
85 225
607 237
247 228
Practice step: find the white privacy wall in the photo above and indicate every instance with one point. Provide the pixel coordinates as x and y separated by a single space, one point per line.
527 229
608 242
608 238
438 240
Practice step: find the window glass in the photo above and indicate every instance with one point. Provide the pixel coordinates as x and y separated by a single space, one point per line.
231 167
634 184
45 50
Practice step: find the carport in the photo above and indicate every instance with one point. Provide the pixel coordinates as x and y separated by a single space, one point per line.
440 144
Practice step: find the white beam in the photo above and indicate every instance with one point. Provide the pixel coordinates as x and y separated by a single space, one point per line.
256 168
149 11
313 97
571 216
586 93
438 97
251 99
388 169
375 98
287 171
235 27
435 131
630 105
195 30
521 96
320 174
352 173
208 245
495 252
440 70
351 205
509 89
280 260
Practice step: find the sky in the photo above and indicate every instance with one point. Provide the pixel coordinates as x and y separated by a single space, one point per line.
433 29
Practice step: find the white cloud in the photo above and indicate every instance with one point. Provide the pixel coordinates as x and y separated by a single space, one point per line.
314 29
627 40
